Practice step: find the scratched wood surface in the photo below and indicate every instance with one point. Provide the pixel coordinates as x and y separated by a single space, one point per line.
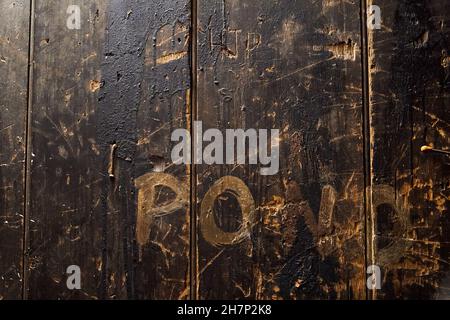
14 26
104 193
409 98
163 105
67 222
99 126
295 66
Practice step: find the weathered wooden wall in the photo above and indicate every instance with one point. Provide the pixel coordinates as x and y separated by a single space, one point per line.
95 186
105 101
14 27
409 108
299 70
66 219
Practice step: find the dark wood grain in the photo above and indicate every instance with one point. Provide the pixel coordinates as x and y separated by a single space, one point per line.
293 66
67 220
409 97
354 188
14 26
161 104
106 98
146 96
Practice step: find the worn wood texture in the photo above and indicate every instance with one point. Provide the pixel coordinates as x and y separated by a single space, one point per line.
67 221
14 26
144 98
353 186
409 98
293 66
105 100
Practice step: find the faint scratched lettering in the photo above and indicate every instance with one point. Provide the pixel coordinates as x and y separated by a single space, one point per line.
323 226
253 42
147 201
167 44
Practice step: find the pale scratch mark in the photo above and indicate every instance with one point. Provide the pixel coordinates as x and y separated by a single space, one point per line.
300 70
170 57
432 258
348 185
151 134
93 55
7 128
245 293
432 116
210 262
166 252
184 294
60 132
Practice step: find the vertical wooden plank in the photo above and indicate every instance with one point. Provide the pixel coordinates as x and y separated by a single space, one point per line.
106 98
293 66
66 219
409 97
145 97
14 17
